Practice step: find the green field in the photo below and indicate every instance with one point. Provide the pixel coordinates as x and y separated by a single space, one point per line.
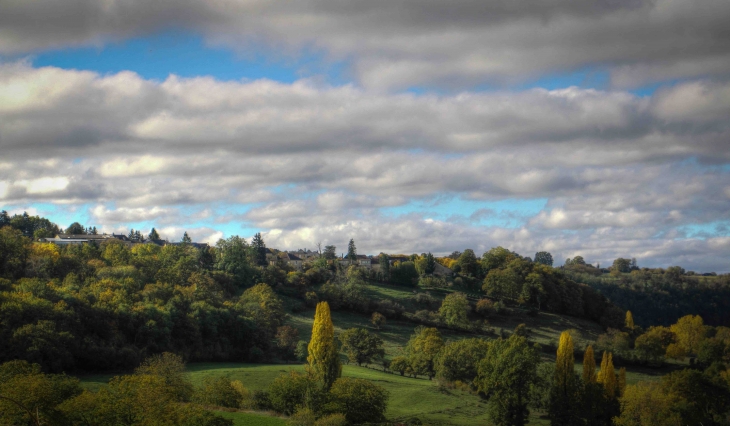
409 397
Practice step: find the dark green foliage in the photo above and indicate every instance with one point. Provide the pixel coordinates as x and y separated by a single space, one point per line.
468 264
153 235
544 258
258 248
289 391
505 376
458 360
351 250
75 228
659 298
404 273
361 401
384 264
361 346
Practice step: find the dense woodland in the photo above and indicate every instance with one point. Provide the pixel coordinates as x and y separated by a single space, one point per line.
118 306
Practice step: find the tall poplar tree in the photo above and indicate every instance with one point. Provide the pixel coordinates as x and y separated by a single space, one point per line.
564 407
589 366
607 375
324 360
629 321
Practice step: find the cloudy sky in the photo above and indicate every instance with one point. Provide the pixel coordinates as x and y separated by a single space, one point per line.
598 128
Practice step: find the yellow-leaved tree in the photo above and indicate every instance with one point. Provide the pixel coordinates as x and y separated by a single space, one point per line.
629 320
323 360
690 330
589 366
564 403
607 375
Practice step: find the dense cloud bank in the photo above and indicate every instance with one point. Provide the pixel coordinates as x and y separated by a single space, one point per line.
623 175
406 43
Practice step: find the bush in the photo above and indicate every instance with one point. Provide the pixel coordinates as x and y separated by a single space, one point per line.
360 400
260 400
390 308
220 392
485 308
427 301
289 391
431 281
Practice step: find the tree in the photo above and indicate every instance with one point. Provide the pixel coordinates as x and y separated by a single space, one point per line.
360 400
564 403
505 375
690 330
404 273
231 255
422 349
289 391
544 258
621 265
261 304
259 249
186 238
330 252
646 404
589 366
219 392
14 252
468 263
351 250
652 345
454 310
400 365
629 321
153 235
287 338
430 266
323 360
384 265
75 228
361 346
377 320
171 368
459 360
607 376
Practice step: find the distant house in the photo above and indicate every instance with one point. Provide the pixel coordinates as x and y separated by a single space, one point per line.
360 260
74 239
274 257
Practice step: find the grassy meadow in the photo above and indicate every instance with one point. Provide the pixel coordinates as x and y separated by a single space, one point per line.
409 397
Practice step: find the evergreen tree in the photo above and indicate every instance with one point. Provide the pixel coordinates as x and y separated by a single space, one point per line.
94 231
330 252
186 238
564 403
351 250
138 237
131 235
259 249
153 236
589 366
324 359
4 219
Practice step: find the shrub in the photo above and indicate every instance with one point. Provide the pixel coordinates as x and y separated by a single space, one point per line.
360 400
261 400
336 419
485 308
220 392
289 391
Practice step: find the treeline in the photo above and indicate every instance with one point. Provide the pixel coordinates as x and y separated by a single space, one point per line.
662 296
507 276
109 306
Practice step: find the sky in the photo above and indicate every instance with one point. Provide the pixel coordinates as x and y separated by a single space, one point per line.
598 128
